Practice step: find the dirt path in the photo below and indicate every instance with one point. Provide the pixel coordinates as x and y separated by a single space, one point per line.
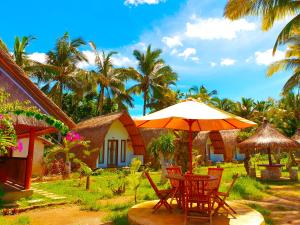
283 204
63 215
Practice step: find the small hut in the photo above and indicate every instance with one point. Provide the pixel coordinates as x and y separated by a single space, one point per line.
270 139
114 140
296 137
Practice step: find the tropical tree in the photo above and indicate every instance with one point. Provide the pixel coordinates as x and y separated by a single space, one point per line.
19 52
152 76
109 80
244 108
161 148
60 73
291 62
201 93
270 11
224 104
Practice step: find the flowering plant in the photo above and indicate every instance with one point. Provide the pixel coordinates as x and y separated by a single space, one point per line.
8 137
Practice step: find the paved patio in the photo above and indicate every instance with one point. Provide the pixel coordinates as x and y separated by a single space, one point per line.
141 214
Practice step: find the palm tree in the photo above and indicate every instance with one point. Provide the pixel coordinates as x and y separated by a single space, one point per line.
201 93
109 81
60 72
291 62
152 76
19 51
224 104
270 11
244 108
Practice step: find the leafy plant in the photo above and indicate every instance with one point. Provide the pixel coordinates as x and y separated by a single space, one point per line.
135 165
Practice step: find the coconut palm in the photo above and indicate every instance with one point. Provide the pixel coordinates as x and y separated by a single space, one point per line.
109 80
291 62
224 104
201 93
152 76
270 11
60 72
244 108
19 52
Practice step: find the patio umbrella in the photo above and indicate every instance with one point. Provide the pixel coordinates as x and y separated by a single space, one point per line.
192 115
269 138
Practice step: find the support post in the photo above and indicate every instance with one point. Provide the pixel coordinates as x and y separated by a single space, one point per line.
29 159
190 122
269 155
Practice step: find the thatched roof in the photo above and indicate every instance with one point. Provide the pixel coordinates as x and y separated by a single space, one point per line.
44 103
95 130
268 137
149 134
296 136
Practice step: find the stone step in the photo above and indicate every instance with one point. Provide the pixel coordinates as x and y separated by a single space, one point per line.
35 201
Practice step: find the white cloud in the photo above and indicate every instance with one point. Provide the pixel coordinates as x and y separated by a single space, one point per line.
266 57
38 56
174 51
217 28
187 53
140 2
213 64
117 60
195 59
172 42
227 62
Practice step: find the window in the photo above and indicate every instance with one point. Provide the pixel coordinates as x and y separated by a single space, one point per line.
101 154
123 151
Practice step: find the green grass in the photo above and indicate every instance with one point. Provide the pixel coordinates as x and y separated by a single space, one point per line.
21 220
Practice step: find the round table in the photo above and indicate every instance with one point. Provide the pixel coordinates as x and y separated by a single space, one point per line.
274 172
181 179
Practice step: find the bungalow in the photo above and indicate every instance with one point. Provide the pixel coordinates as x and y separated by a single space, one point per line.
216 146
16 170
114 140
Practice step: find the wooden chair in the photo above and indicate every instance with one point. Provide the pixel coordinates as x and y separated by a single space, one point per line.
175 184
220 198
198 200
163 195
216 173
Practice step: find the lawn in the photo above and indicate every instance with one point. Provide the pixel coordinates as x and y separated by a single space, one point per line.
101 198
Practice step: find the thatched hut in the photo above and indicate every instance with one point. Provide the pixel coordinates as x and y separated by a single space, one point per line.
268 138
296 137
114 139
16 168
217 145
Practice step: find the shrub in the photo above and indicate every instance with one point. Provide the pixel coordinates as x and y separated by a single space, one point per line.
135 165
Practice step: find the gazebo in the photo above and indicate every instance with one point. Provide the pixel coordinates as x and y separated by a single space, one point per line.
270 139
296 137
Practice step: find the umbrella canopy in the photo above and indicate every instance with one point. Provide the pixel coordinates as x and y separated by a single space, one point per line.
193 116
296 136
268 138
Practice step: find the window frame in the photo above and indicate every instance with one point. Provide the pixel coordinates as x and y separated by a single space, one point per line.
123 144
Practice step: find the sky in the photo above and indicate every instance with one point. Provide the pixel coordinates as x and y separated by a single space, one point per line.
200 45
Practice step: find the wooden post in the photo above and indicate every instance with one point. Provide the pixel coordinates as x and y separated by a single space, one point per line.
29 159
190 122
269 155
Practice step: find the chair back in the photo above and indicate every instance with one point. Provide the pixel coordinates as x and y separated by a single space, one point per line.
174 170
216 173
153 185
194 188
234 178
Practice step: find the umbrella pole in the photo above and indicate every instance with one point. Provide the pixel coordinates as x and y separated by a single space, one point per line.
269 155
191 145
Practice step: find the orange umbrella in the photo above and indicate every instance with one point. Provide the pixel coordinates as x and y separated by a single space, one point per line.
192 115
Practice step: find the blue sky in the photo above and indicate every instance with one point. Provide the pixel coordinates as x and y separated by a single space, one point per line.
201 46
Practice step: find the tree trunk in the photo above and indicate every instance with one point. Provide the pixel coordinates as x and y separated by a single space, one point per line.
101 101
246 162
87 186
60 94
145 103
163 178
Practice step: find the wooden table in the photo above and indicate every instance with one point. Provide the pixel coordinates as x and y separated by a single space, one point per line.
180 179
274 172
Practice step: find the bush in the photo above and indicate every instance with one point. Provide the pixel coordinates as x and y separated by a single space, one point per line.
135 165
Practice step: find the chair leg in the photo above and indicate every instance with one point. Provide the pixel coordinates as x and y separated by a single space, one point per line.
230 208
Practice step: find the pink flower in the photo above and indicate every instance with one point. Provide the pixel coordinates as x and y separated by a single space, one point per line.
1 116
20 146
73 136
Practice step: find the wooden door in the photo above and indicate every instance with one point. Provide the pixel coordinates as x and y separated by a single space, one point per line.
112 153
